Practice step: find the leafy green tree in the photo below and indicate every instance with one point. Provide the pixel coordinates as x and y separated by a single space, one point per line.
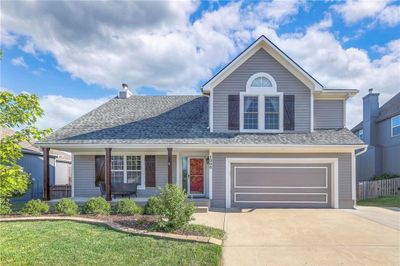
17 111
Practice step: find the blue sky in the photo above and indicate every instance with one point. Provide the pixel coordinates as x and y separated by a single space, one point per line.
76 56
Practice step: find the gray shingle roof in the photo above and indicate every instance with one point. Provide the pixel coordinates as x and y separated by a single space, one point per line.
173 119
389 109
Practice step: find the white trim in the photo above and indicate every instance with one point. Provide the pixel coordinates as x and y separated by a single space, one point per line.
353 177
178 170
344 113
125 172
279 167
312 112
334 176
271 49
211 111
261 112
249 88
189 176
278 201
210 175
72 175
391 125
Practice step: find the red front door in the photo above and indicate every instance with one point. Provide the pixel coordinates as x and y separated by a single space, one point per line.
196 176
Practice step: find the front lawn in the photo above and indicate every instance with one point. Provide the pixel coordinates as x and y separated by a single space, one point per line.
389 201
71 243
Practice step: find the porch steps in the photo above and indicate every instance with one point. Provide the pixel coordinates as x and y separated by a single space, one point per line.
202 204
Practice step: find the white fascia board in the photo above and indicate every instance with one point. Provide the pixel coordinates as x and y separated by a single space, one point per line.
213 147
327 94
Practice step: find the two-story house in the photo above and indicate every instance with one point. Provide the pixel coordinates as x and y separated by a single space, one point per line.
380 129
264 133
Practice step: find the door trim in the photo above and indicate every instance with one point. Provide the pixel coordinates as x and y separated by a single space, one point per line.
204 177
334 175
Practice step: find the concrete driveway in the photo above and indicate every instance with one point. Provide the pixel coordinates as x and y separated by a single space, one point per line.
305 237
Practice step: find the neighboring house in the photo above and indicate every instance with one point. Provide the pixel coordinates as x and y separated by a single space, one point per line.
380 129
32 162
263 134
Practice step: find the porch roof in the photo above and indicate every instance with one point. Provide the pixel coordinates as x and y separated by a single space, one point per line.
174 120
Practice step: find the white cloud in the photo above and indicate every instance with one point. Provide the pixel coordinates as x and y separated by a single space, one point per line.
390 16
354 11
59 110
19 61
278 10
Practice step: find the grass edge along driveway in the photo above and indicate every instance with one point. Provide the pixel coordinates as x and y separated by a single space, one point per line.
72 243
387 201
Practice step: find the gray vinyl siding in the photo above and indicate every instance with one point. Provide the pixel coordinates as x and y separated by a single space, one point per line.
328 114
287 83
84 176
33 165
219 174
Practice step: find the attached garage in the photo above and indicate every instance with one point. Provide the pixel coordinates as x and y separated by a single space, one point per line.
285 183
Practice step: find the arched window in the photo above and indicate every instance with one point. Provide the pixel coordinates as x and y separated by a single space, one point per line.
261 82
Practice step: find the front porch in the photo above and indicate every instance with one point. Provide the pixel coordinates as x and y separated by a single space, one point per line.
96 171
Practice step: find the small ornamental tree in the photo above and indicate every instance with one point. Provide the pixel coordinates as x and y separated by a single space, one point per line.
17 111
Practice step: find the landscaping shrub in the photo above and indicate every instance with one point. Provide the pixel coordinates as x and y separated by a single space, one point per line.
127 207
5 206
67 207
97 206
35 207
385 176
153 206
175 211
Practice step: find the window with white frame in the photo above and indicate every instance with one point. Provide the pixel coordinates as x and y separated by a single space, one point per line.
395 122
261 106
127 169
250 112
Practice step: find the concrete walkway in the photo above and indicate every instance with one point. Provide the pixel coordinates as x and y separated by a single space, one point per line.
305 237
388 217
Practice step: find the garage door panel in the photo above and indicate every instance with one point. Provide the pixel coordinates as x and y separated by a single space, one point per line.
281 197
275 176
256 185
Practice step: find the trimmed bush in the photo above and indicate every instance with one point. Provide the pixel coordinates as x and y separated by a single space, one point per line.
127 207
153 206
35 207
97 206
5 206
175 211
67 207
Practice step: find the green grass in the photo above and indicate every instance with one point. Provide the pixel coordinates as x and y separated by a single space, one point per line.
203 230
390 201
71 243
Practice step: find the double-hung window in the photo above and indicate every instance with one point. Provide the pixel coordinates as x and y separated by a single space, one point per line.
271 118
250 112
127 169
395 122
261 105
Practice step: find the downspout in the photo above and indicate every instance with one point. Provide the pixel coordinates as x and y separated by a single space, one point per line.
353 170
362 151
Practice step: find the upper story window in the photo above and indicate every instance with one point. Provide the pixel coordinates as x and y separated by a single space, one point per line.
395 126
360 134
261 106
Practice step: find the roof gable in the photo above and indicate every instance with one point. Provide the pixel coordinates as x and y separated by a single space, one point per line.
263 43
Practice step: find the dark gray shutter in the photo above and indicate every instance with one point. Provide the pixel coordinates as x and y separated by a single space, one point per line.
99 169
233 112
150 169
288 116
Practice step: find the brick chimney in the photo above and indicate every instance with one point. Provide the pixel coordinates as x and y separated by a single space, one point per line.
370 113
124 93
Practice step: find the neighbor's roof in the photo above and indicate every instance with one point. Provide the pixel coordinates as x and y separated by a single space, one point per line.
173 120
389 109
29 148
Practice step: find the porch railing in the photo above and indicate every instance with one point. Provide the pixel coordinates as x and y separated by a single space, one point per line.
60 191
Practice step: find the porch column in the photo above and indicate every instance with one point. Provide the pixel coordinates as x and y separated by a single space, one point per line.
169 165
107 174
46 174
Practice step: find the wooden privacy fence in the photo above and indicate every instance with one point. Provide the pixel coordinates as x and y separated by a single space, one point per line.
378 188
60 191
